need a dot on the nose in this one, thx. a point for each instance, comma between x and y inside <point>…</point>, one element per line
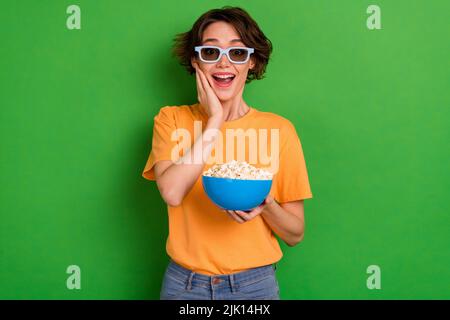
<point>224,60</point>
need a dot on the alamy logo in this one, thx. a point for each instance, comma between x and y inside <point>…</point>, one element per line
<point>374,20</point>
<point>235,146</point>
<point>74,280</point>
<point>374,280</point>
<point>74,20</point>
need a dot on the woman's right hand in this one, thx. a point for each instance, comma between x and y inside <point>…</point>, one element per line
<point>206,95</point>
<point>176,179</point>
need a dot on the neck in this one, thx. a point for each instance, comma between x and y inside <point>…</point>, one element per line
<point>234,108</point>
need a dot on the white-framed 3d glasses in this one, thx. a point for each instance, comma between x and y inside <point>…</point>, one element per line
<point>212,54</point>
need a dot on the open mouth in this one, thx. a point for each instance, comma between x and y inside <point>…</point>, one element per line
<point>223,81</point>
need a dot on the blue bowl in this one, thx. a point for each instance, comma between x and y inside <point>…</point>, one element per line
<point>236,194</point>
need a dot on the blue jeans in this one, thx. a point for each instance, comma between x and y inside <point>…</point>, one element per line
<point>259,283</point>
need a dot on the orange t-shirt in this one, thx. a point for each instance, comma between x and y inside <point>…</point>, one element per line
<point>203,238</point>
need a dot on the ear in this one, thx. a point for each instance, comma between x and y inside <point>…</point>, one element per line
<point>194,62</point>
<point>252,64</point>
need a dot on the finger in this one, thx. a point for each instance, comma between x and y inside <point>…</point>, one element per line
<point>235,216</point>
<point>230,215</point>
<point>197,75</point>
<point>205,82</point>
<point>200,89</point>
<point>243,215</point>
<point>250,215</point>
<point>201,94</point>
<point>269,199</point>
<point>202,78</point>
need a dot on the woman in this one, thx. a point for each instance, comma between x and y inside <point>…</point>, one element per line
<point>216,254</point>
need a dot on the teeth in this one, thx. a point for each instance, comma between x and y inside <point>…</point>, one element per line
<point>223,76</point>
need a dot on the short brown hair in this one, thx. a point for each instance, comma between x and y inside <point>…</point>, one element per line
<point>246,27</point>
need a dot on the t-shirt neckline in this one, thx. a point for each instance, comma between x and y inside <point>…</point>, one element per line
<point>247,115</point>
<point>242,118</point>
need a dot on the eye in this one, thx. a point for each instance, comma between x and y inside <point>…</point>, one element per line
<point>210,52</point>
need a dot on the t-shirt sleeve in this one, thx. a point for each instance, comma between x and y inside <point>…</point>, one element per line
<point>291,182</point>
<point>163,127</point>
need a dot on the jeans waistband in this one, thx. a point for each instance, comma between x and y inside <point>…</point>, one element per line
<point>234,279</point>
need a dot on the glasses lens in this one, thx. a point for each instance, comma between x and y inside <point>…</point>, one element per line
<point>238,55</point>
<point>210,54</point>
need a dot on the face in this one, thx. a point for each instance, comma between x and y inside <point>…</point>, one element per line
<point>224,35</point>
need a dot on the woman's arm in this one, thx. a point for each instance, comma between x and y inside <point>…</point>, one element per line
<point>175,180</point>
<point>285,219</point>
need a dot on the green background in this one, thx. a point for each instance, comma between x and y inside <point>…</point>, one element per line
<point>371,108</point>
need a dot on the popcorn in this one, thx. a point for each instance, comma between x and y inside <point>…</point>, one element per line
<point>238,170</point>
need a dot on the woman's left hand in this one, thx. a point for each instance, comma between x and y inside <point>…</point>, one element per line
<point>243,216</point>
